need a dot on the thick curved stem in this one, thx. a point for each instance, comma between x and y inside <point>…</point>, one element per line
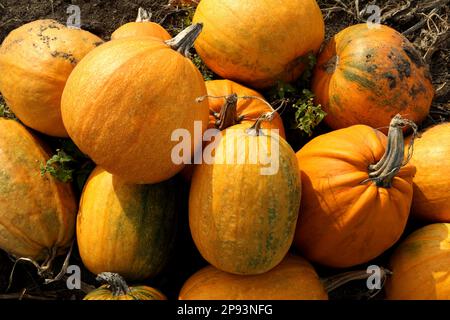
<point>115,281</point>
<point>184,41</point>
<point>143,15</point>
<point>228,113</point>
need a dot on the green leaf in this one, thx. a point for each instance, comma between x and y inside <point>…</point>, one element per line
<point>307,114</point>
<point>59,166</point>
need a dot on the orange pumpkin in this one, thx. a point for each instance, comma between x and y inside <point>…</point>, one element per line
<point>258,42</point>
<point>144,90</point>
<point>142,27</point>
<point>366,75</point>
<point>35,61</point>
<point>293,279</point>
<point>117,289</point>
<point>240,221</point>
<point>37,213</point>
<point>431,157</point>
<point>421,266</point>
<point>132,226</point>
<point>356,195</point>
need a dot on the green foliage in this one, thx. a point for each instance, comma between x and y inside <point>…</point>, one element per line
<point>59,166</point>
<point>307,115</point>
<point>207,74</point>
<point>5,112</point>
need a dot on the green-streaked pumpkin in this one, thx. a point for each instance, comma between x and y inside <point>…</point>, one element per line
<point>126,228</point>
<point>117,289</point>
<point>241,219</point>
<point>37,213</point>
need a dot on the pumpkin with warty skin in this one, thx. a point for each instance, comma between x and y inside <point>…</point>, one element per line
<point>293,279</point>
<point>144,90</point>
<point>117,289</point>
<point>142,27</point>
<point>242,42</point>
<point>37,213</point>
<point>239,220</point>
<point>366,75</point>
<point>431,157</point>
<point>356,195</point>
<point>35,61</point>
<point>132,226</point>
<point>421,265</point>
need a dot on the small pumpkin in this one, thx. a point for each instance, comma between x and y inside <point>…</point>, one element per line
<point>117,289</point>
<point>244,43</point>
<point>142,27</point>
<point>356,194</point>
<point>35,61</point>
<point>421,266</point>
<point>431,157</point>
<point>239,219</point>
<point>366,75</point>
<point>144,90</point>
<point>132,226</point>
<point>293,279</point>
<point>37,213</point>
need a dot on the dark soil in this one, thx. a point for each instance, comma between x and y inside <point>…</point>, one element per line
<point>425,23</point>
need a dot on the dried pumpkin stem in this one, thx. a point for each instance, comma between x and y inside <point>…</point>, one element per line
<point>384,171</point>
<point>143,15</point>
<point>115,281</point>
<point>184,41</point>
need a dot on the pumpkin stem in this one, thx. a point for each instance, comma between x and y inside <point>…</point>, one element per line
<point>384,171</point>
<point>115,282</point>
<point>255,129</point>
<point>336,281</point>
<point>143,15</point>
<point>184,41</point>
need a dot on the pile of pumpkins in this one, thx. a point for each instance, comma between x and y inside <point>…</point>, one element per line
<point>342,200</point>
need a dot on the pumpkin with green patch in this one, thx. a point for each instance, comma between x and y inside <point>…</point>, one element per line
<point>366,75</point>
<point>35,61</point>
<point>37,213</point>
<point>126,228</point>
<point>242,212</point>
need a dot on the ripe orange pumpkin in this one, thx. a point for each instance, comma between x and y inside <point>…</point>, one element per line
<point>431,157</point>
<point>344,219</point>
<point>239,219</point>
<point>35,62</point>
<point>37,213</point>
<point>421,266</point>
<point>143,91</point>
<point>293,279</point>
<point>367,75</point>
<point>258,42</point>
<point>117,289</point>
<point>142,27</point>
<point>132,226</point>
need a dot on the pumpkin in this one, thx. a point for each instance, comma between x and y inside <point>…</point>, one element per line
<point>258,43</point>
<point>293,279</point>
<point>143,92</point>
<point>356,195</point>
<point>366,75</point>
<point>431,196</point>
<point>35,61</point>
<point>421,266</point>
<point>117,289</point>
<point>132,226</point>
<point>142,27</point>
<point>37,213</point>
<point>242,212</point>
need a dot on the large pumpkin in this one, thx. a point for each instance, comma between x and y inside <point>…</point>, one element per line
<point>293,279</point>
<point>258,42</point>
<point>35,62</point>
<point>366,75</point>
<point>142,27</point>
<point>421,266</point>
<point>144,91</point>
<point>37,213</point>
<point>125,228</point>
<point>117,289</point>
<point>242,212</point>
<point>431,156</point>
<point>356,195</point>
